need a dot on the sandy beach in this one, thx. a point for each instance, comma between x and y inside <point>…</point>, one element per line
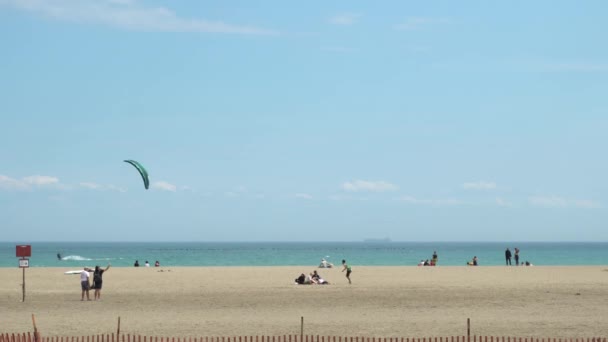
<point>381,302</point>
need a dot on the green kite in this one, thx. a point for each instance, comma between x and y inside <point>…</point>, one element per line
<point>142,172</point>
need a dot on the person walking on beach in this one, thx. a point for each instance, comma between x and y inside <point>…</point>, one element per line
<point>84,283</point>
<point>98,280</point>
<point>508,257</point>
<point>348,270</point>
<point>516,256</point>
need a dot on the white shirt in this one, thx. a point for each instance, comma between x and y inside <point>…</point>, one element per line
<point>84,276</point>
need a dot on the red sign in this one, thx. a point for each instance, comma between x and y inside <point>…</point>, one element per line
<point>24,251</point>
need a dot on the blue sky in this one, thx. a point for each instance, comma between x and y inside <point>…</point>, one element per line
<point>274,121</point>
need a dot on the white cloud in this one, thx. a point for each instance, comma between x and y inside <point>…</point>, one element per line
<point>27,183</point>
<point>41,180</point>
<point>9,183</point>
<point>501,202</point>
<point>433,202</point>
<point>116,188</point>
<point>100,187</point>
<point>480,185</point>
<point>560,202</point>
<point>89,185</point>
<point>372,186</point>
<point>162,185</point>
<point>345,19</point>
<point>303,196</point>
<point>586,204</point>
<point>129,15</point>
<point>415,23</point>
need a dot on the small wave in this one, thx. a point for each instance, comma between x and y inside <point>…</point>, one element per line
<point>75,257</point>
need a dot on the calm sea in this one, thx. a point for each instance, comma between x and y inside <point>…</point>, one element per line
<point>78,254</point>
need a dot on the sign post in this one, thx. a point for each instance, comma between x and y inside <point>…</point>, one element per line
<point>23,252</point>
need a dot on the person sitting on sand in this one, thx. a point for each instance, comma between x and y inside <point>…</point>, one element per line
<point>325,264</point>
<point>303,279</point>
<point>421,263</point>
<point>157,264</point>
<point>472,262</point>
<point>316,278</point>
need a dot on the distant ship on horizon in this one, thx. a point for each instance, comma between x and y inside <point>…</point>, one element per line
<point>386,239</point>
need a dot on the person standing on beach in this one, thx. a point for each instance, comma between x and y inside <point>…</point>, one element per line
<point>508,257</point>
<point>84,283</point>
<point>348,270</point>
<point>516,256</point>
<point>98,280</point>
<point>434,260</point>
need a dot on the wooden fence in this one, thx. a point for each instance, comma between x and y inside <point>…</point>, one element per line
<point>35,337</point>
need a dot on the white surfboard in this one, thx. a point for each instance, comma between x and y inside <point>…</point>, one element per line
<point>75,272</point>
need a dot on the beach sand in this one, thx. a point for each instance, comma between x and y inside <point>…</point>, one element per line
<point>381,302</point>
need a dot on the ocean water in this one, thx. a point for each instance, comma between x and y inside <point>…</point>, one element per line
<point>382,253</point>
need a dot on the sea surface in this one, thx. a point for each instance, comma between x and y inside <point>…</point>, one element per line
<point>381,253</point>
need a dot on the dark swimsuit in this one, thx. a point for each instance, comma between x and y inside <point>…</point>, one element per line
<point>97,280</point>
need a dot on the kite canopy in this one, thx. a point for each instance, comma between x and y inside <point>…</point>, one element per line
<point>142,171</point>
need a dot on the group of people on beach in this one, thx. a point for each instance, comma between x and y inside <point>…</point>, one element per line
<point>432,262</point>
<point>147,264</point>
<point>311,279</point>
<point>516,255</point>
<point>85,282</point>
<point>315,278</point>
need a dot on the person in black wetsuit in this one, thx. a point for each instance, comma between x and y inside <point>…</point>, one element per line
<point>508,257</point>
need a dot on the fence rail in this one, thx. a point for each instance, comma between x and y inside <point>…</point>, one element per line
<point>35,337</point>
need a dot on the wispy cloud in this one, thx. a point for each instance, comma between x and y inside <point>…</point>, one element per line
<point>480,185</point>
<point>303,196</point>
<point>29,182</point>
<point>433,202</point>
<point>100,187</point>
<point>8,183</point>
<point>129,15</point>
<point>90,186</point>
<point>370,186</point>
<point>501,202</point>
<point>116,188</point>
<point>561,202</point>
<point>41,180</point>
<point>345,19</point>
<point>165,186</point>
<point>417,23</point>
